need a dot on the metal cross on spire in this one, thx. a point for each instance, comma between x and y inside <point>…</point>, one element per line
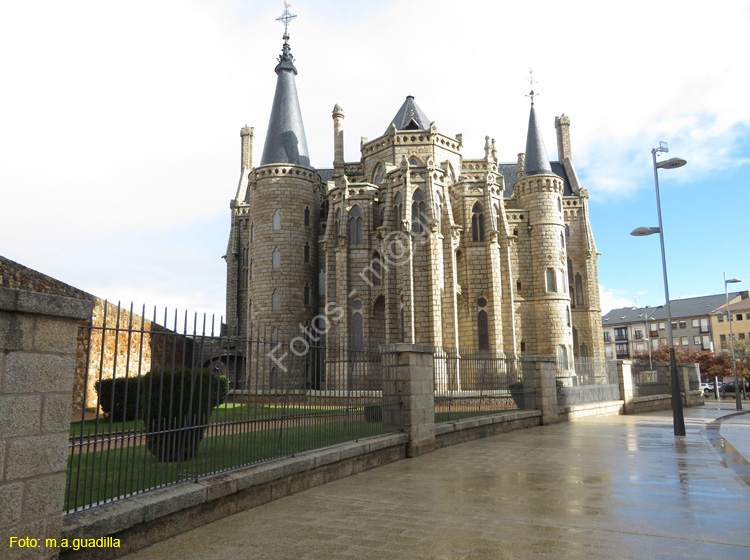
<point>532,81</point>
<point>286,17</point>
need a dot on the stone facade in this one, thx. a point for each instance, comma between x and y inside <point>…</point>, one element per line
<point>413,242</point>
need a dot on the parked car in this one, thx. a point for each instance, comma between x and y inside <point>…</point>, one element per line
<point>728,389</point>
<point>708,389</point>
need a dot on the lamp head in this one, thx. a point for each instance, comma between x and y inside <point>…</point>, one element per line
<point>671,163</point>
<point>643,230</point>
<point>732,281</point>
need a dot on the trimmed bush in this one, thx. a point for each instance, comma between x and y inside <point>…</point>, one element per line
<point>175,406</point>
<point>118,398</point>
<point>373,413</point>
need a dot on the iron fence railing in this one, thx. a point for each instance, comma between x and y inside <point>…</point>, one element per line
<point>477,383</point>
<point>648,382</point>
<point>589,380</point>
<point>183,406</point>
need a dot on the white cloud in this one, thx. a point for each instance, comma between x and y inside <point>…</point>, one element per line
<point>613,299</point>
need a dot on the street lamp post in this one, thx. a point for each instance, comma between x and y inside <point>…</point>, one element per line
<point>648,338</point>
<point>672,163</point>
<point>731,340</point>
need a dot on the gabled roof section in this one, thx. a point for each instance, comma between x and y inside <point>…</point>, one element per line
<point>536,162</point>
<point>285,139</point>
<point>410,117</point>
<point>688,307</point>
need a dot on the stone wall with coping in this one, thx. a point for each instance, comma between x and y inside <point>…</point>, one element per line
<point>37,362</point>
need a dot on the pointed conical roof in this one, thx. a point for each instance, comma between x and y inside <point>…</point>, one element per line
<point>410,117</point>
<point>285,139</point>
<point>536,162</point>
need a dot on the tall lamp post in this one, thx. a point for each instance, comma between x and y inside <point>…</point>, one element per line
<point>648,338</point>
<point>672,163</point>
<point>731,340</point>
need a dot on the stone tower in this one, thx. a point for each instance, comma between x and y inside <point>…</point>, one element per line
<point>540,192</point>
<point>272,256</point>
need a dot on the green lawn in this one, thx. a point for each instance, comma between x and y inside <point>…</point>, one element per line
<point>102,475</point>
<point>227,412</point>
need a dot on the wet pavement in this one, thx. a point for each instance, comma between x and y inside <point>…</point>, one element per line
<point>609,487</point>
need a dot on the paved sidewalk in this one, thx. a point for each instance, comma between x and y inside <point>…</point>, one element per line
<point>616,487</point>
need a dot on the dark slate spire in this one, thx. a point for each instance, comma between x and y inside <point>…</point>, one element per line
<point>536,162</point>
<point>285,139</point>
<point>410,117</point>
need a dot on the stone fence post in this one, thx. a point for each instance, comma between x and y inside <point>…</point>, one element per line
<point>685,372</point>
<point>37,363</point>
<point>539,373</point>
<point>409,394</point>
<point>625,383</point>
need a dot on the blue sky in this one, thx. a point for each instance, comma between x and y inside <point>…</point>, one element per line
<point>119,142</point>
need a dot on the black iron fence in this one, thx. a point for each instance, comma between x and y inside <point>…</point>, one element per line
<point>648,382</point>
<point>590,380</point>
<point>158,407</point>
<point>477,383</point>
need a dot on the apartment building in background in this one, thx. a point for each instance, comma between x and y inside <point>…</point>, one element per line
<point>629,330</point>
<point>739,308</point>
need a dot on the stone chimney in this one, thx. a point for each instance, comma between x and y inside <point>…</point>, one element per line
<point>246,133</point>
<point>562,125</point>
<point>338,135</point>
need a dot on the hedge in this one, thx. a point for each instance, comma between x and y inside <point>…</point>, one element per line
<point>174,400</point>
<point>118,398</point>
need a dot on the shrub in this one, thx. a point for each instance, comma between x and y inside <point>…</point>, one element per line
<point>373,413</point>
<point>175,406</point>
<point>118,398</point>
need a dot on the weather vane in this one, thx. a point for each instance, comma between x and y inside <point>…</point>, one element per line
<point>532,81</point>
<point>286,17</point>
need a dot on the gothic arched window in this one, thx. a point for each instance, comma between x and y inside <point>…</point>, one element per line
<point>355,226</point>
<point>483,330</point>
<point>551,279</point>
<point>357,325</point>
<point>322,282</point>
<point>275,301</point>
<point>579,289</point>
<point>418,216</point>
<point>306,295</point>
<point>276,220</point>
<point>276,258</point>
<point>477,222</point>
<point>378,174</point>
<point>307,215</point>
<point>398,207</point>
<point>307,252</point>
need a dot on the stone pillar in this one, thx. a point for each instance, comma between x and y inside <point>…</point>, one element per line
<point>625,383</point>
<point>409,394</point>
<point>539,373</point>
<point>37,364</point>
<point>338,136</point>
<point>685,372</point>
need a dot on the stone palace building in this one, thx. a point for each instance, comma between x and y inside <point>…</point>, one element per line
<point>413,241</point>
